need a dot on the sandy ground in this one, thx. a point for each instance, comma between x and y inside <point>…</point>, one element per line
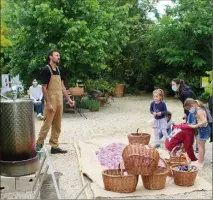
<point>122,117</point>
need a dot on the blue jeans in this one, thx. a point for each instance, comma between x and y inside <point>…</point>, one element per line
<point>39,108</point>
<point>204,133</point>
<point>169,130</point>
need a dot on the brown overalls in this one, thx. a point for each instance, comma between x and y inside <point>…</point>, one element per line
<point>52,118</point>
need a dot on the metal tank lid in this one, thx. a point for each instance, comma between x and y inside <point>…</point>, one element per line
<point>22,100</point>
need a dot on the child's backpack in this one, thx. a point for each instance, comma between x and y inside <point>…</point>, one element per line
<point>209,116</point>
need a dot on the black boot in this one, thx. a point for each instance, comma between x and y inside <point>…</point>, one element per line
<point>57,150</point>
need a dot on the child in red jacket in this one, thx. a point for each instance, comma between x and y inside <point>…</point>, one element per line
<point>185,136</point>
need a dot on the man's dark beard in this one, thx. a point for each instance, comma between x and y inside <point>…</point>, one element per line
<point>57,62</point>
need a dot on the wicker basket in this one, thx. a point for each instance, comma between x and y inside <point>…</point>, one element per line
<point>184,178</point>
<point>140,159</point>
<point>175,160</point>
<point>76,91</point>
<point>157,180</point>
<point>141,138</point>
<point>169,166</point>
<point>115,181</point>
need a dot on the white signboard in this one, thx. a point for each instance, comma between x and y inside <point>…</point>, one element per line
<point>15,82</point>
<point>5,80</point>
<point>5,83</point>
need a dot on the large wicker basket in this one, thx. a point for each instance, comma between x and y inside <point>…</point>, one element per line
<point>141,138</point>
<point>175,160</point>
<point>157,180</point>
<point>140,159</point>
<point>184,178</point>
<point>115,181</point>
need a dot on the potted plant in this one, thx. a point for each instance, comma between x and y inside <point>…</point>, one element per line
<point>102,100</point>
<point>99,89</point>
<point>119,89</point>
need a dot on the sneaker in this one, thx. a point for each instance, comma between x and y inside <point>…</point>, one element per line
<point>57,150</point>
<point>40,116</point>
<point>156,146</point>
<point>38,149</point>
<point>196,150</point>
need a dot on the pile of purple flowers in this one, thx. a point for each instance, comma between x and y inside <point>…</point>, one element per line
<point>111,156</point>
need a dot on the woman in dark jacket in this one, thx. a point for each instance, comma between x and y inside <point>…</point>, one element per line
<point>183,91</point>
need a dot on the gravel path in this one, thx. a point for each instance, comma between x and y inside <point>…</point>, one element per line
<point>122,117</point>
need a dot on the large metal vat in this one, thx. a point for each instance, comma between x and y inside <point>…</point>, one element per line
<point>19,168</point>
<point>17,137</point>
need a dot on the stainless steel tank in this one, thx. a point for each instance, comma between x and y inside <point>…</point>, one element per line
<point>19,168</point>
<point>17,137</point>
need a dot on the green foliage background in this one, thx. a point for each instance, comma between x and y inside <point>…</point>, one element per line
<point>111,40</point>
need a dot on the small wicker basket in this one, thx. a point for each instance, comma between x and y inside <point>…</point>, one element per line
<point>141,138</point>
<point>175,160</point>
<point>140,159</point>
<point>115,181</point>
<point>76,91</point>
<point>184,178</point>
<point>157,180</point>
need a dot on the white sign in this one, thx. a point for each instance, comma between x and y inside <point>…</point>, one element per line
<point>15,81</point>
<point>5,80</point>
<point>5,83</point>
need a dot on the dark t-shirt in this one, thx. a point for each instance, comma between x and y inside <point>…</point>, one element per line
<point>186,93</point>
<point>158,107</point>
<point>46,75</point>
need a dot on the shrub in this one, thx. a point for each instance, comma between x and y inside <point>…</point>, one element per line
<point>132,90</point>
<point>204,96</point>
<point>91,104</point>
<point>99,84</point>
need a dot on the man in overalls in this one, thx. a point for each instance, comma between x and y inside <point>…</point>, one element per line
<point>53,90</point>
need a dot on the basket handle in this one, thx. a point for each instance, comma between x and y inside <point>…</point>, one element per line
<point>137,132</point>
<point>120,169</point>
<point>171,170</point>
<point>187,159</point>
<point>171,153</point>
<point>166,165</point>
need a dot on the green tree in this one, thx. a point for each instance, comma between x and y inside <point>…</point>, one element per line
<point>135,63</point>
<point>182,39</point>
<point>5,42</point>
<point>178,44</point>
<point>88,33</point>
